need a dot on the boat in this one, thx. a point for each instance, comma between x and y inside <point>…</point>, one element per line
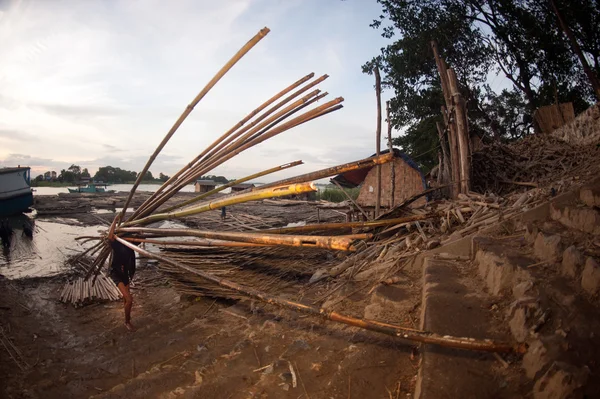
<point>91,188</point>
<point>15,190</point>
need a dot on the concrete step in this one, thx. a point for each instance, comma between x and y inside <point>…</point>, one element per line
<point>550,312</point>
<point>454,303</point>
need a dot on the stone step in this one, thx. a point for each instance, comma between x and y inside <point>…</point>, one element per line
<point>578,217</point>
<point>454,304</point>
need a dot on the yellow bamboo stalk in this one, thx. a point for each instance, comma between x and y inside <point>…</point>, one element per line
<point>349,225</point>
<point>217,159</point>
<point>233,183</point>
<point>220,203</point>
<point>272,132</point>
<point>340,243</point>
<point>223,137</point>
<point>251,43</point>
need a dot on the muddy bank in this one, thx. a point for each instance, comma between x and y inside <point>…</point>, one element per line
<point>188,347</point>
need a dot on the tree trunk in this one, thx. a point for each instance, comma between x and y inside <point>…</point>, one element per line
<point>378,139</point>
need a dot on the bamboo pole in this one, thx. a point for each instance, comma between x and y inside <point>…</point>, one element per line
<point>378,140</point>
<point>233,183</point>
<point>462,133</point>
<point>251,43</point>
<point>391,149</point>
<point>350,225</point>
<point>350,198</point>
<point>340,243</point>
<point>226,141</point>
<point>334,170</point>
<point>225,135</point>
<point>280,191</point>
<point>196,242</point>
<point>231,152</point>
<point>452,139</point>
<point>384,328</point>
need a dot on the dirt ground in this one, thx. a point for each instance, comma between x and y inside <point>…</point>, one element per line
<point>189,348</point>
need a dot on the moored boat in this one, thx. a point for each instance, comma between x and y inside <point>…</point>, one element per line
<point>15,190</point>
<point>91,188</point>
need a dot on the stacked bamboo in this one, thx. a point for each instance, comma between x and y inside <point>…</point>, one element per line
<point>80,291</point>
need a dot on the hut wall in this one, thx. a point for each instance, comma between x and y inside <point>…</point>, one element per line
<point>408,182</point>
<point>204,188</point>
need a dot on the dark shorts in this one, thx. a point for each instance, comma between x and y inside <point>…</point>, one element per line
<point>118,277</point>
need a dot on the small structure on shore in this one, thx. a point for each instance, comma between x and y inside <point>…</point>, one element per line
<point>241,187</point>
<point>408,181</point>
<point>204,186</point>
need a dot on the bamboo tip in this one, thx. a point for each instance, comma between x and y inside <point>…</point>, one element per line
<point>264,31</point>
<point>312,186</point>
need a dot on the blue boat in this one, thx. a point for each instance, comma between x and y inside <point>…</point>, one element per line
<point>91,188</point>
<point>15,190</point>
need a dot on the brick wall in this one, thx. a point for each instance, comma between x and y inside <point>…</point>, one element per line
<point>584,130</point>
<point>408,183</point>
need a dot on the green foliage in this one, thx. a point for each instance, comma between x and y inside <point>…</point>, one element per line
<point>334,194</point>
<point>163,177</point>
<point>520,40</point>
<point>109,174</point>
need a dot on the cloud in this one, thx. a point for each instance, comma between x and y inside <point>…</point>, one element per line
<point>100,83</point>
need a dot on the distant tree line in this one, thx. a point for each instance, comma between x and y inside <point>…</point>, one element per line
<point>510,56</point>
<point>217,179</point>
<point>106,174</point>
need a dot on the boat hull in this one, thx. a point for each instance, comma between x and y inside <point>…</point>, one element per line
<point>15,205</point>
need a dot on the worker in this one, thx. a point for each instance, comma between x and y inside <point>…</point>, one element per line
<point>223,213</point>
<point>121,272</point>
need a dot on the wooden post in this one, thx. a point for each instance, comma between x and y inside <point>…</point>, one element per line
<point>577,50</point>
<point>378,139</point>
<point>392,166</point>
<point>462,133</point>
<point>452,139</point>
<point>445,165</point>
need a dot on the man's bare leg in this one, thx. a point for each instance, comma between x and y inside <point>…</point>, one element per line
<point>128,303</point>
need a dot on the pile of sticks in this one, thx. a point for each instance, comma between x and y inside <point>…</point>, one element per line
<point>534,160</point>
<point>80,290</point>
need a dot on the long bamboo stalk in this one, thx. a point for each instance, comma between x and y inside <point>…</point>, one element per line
<point>334,170</point>
<point>340,243</point>
<point>217,159</point>
<point>269,134</point>
<point>378,140</point>
<point>384,328</point>
<point>251,43</point>
<point>224,136</point>
<point>280,191</point>
<point>227,139</point>
<point>234,183</point>
<point>349,225</point>
<point>196,242</point>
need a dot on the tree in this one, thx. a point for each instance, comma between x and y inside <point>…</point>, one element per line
<point>85,173</point>
<point>216,179</point>
<point>66,176</point>
<point>109,174</point>
<point>148,176</point>
<point>39,178</point>
<point>163,177</point>
<point>517,39</point>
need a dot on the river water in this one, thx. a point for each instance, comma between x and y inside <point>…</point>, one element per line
<point>117,187</point>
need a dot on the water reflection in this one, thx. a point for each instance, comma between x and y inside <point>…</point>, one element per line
<point>45,252</point>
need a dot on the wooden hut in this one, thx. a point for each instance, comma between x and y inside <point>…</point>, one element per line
<point>408,181</point>
<point>204,186</point>
<point>241,187</point>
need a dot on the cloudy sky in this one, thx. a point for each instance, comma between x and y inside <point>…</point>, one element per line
<point>100,82</point>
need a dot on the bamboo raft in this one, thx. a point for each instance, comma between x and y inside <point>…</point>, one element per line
<point>248,263</point>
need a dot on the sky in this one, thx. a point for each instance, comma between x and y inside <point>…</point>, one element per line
<point>99,83</point>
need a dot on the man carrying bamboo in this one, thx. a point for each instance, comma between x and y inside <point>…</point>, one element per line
<point>121,272</point>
